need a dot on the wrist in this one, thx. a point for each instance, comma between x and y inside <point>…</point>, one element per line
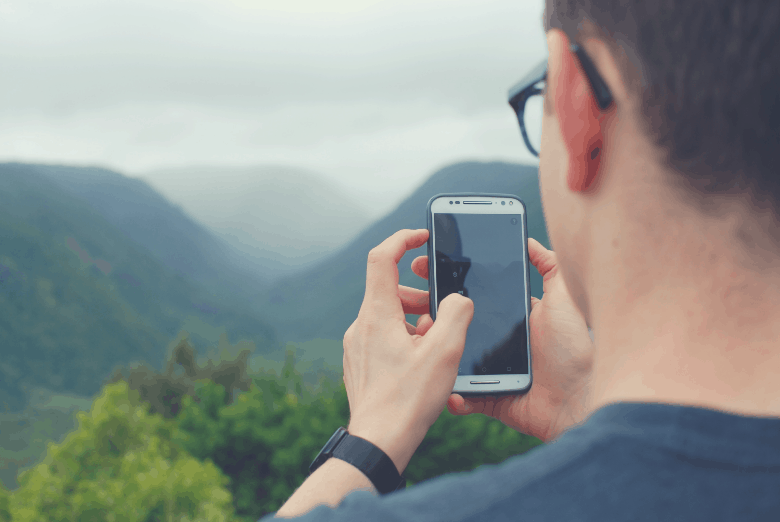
<point>399,444</point>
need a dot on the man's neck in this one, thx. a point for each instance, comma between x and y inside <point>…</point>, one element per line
<point>686,349</point>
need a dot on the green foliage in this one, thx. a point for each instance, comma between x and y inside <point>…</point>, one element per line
<point>5,513</point>
<point>315,360</point>
<point>164,390</point>
<point>121,464</point>
<point>24,436</point>
<point>312,357</point>
<point>266,439</point>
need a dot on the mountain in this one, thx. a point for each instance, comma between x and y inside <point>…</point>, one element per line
<point>283,219</point>
<point>151,221</point>
<point>323,301</point>
<point>79,296</point>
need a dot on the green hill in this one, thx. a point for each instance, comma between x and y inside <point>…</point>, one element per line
<point>78,296</point>
<point>161,227</point>
<point>323,301</point>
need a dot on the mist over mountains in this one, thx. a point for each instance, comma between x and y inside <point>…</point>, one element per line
<point>283,219</point>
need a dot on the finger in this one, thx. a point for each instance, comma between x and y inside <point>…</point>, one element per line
<point>413,301</point>
<point>411,329</point>
<point>544,260</point>
<point>459,405</point>
<point>456,405</point>
<point>487,405</point>
<point>424,323</point>
<point>420,266</point>
<point>534,302</point>
<point>452,321</point>
<point>382,269</point>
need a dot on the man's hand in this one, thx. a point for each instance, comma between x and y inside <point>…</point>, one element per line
<point>561,356</point>
<point>398,381</point>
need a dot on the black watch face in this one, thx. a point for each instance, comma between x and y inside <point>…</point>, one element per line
<point>327,451</point>
<point>334,441</point>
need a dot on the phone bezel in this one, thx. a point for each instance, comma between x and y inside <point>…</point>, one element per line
<point>509,384</point>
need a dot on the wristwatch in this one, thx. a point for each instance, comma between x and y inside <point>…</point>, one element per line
<point>372,461</point>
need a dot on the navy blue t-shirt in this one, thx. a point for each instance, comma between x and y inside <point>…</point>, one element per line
<point>628,461</point>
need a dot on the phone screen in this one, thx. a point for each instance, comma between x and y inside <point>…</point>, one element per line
<point>482,257</point>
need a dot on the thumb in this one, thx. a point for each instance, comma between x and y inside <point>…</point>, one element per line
<point>452,321</point>
<point>544,260</point>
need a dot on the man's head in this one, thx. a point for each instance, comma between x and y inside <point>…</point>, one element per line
<point>682,172</point>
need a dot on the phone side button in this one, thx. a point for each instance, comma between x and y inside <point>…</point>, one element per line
<point>484,382</point>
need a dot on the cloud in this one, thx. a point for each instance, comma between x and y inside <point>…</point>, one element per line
<point>344,87</point>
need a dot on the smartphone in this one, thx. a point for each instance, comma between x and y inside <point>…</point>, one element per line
<point>478,247</point>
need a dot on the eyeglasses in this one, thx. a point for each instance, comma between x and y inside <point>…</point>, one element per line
<point>527,97</point>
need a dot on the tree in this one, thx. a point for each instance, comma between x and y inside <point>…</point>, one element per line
<point>267,438</point>
<point>121,464</point>
<point>164,390</point>
<point>5,513</point>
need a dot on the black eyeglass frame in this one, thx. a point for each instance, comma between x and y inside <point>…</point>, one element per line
<point>525,88</point>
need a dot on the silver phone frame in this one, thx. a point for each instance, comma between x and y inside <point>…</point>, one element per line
<point>508,384</point>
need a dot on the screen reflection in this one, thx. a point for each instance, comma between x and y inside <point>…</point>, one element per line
<point>481,257</point>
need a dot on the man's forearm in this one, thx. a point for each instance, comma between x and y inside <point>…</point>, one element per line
<point>332,481</point>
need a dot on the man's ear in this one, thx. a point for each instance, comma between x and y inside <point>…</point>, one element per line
<point>577,113</point>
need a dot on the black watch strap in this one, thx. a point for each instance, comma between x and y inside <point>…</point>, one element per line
<point>365,456</point>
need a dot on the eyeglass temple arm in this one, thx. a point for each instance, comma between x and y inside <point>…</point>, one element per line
<point>597,84</point>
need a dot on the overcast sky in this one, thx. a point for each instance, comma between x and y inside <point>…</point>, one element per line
<point>374,93</point>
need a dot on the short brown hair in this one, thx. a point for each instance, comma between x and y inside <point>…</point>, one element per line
<point>710,72</point>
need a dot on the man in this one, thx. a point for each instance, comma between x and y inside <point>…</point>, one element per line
<point>661,197</point>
